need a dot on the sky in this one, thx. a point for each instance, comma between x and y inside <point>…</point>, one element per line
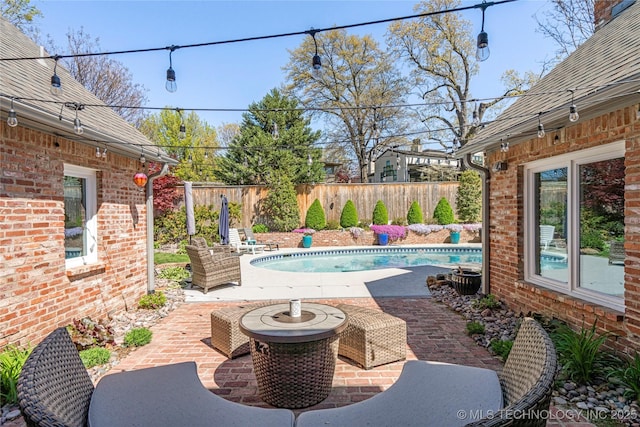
<point>232,76</point>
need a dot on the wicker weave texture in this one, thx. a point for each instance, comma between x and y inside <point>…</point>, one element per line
<point>210,271</point>
<point>54,388</point>
<point>225,329</point>
<point>616,252</point>
<point>527,379</point>
<point>294,375</point>
<point>372,337</point>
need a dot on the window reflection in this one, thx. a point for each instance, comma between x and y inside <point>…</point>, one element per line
<point>74,217</point>
<point>552,259</point>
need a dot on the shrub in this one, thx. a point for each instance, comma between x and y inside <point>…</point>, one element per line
<point>414,216</point>
<point>469,196</point>
<point>501,348</point>
<point>443,213</point>
<point>380,214</point>
<point>260,228</point>
<point>177,274</point>
<point>137,337</point>
<point>281,203</point>
<point>474,328</point>
<point>12,359</point>
<point>152,301</point>
<point>87,333</point>
<point>315,217</point>
<point>349,215</point>
<point>487,301</point>
<point>629,375</point>
<point>94,356</point>
<point>333,224</point>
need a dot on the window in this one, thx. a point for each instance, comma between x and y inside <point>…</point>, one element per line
<point>80,229</point>
<point>574,213</point>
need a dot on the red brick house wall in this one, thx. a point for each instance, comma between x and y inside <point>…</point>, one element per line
<point>507,219</point>
<point>37,292</point>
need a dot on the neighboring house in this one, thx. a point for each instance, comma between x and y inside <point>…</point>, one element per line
<point>75,231</point>
<point>557,202</point>
<point>395,165</point>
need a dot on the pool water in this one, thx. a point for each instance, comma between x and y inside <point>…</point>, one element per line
<point>345,260</point>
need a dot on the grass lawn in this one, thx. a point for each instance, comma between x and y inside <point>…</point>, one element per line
<point>167,258</point>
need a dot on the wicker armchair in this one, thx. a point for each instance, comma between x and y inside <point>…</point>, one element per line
<point>526,379</point>
<point>209,271</point>
<point>54,388</point>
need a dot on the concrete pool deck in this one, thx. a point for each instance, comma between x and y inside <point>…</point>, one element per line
<point>260,283</point>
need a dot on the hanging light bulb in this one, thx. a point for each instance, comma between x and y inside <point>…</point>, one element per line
<point>573,110</point>
<point>275,132</point>
<point>482,51</point>
<point>12,119</point>
<point>171,85</point>
<point>143,159</point>
<point>316,62</point>
<point>540,127</point>
<point>182,134</point>
<point>98,152</point>
<point>309,160</point>
<point>77,124</point>
<point>104,153</point>
<point>56,85</point>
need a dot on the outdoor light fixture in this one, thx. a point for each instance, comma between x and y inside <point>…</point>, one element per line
<point>104,153</point>
<point>540,127</point>
<point>316,62</point>
<point>143,159</point>
<point>482,52</point>
<point>77,124</point>
<point>504,145</point>
<point>309,160</point>
<point>56,86</point>
<point>275,132</point>
<point>98,152</point>
<point>171,85</point>
<point>573,110</point>
<point>182,132</point>
<point>12,120</point>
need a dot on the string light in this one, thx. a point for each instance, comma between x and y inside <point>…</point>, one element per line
<point>482,52</point>
<point>98,152</point>
<point>104,153</point>
<point>504,145</point>
<point>540,127</point>
<point>56,85</point>
<point>12,119</point>
<point>182,132</point>
<point>316,62</point>
<point>143,159</point>
<point>274,133</point>
<point>171,85</point>
<point>573,110</point>
<point>77,124</point>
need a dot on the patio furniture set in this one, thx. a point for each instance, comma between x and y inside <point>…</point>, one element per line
<point>54,388</point>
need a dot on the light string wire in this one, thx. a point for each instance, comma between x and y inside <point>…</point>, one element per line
<point>56,57</point>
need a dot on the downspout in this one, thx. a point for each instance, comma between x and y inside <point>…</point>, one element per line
<point>484,233</point>
<point>151,280</point>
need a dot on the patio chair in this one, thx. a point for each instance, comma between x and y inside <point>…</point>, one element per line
<point>616,252</point>
<point>269,243</point>
<point>211,270</point>
<point>240,246</point>
<point>546,235</point>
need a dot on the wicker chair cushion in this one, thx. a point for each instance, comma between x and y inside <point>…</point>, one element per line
<point>54,388</point>
<point>210,270</point>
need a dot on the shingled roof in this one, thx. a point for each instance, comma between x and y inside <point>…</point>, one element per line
<point>604,73</point>
<point>28,82</point>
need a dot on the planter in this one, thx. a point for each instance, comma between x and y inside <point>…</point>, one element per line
<point>466,282</point>
<point>454,236</point>
<point>306,241</point>
<point>383,239</point>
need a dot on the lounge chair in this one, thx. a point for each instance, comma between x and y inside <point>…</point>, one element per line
<point>54,389</point>
<point>616,252</point>
<point>546,235</point>
<point>211,270</point>
<point>251,238</point>
<point>240,246</point>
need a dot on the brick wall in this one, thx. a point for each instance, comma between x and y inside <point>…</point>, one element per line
<point>37,292</point>
<point>507,222</point>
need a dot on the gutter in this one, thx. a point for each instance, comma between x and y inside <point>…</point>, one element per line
<point>484,233</point>
<point>151,277</point>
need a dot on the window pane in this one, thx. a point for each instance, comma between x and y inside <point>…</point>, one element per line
<point>75,215</point>
<point>551,244</point>
<point>601,226</point>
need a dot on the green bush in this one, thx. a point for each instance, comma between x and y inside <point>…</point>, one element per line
<point>137,337</point>
<point>501,348</point>
<point>474,328</point>
<point>333,224</point>
<point>315,217</point>
<point>260,228</point>
<point>469,196</point>
<point>177,274</point>
<point>380,214</point>
<point>443,213</point>
<point>94,356</point>
<point>12,359</point>
<point>629,375</point>
<point>487,301</point>
<point>349,215</point>
<point>414,216</point>
<point>281,203</point>
<point>152,301</point>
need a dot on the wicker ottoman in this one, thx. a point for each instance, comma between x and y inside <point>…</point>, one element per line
<point>225,332</point>
<point>372,337</point>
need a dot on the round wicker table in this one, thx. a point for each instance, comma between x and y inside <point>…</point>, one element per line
<point>294,358</point>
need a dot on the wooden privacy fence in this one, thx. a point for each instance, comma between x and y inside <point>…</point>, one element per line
<point>397,198</point>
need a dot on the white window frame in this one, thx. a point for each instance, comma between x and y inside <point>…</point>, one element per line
<point>91,224</point>
<point>572,161</point>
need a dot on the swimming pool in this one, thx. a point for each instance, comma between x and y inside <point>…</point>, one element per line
<point>344,260</point>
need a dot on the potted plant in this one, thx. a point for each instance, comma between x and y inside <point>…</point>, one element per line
<point>307,240</point>
<point>454,232</point>
<point>466,282</point>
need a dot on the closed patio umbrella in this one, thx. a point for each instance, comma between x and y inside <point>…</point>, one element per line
<point>223,223</point>
<point>188,204</point>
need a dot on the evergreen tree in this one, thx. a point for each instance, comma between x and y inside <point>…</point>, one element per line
<point>349,215</point>
<point>281,204</point>
<point>315,217</point>
<point>380,214</point>
<point>414,216</point>
<point>443,212</point>
<point>469,196</point>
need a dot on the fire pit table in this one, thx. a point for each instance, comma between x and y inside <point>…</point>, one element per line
<point>294,357</point>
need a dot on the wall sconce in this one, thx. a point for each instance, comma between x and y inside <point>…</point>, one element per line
<point>499,166</point>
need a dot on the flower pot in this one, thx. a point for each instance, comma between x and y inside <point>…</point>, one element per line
<point>466,282</point>
<point>383,239</point>
<point>455,237</point>
<point>306,241</point>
